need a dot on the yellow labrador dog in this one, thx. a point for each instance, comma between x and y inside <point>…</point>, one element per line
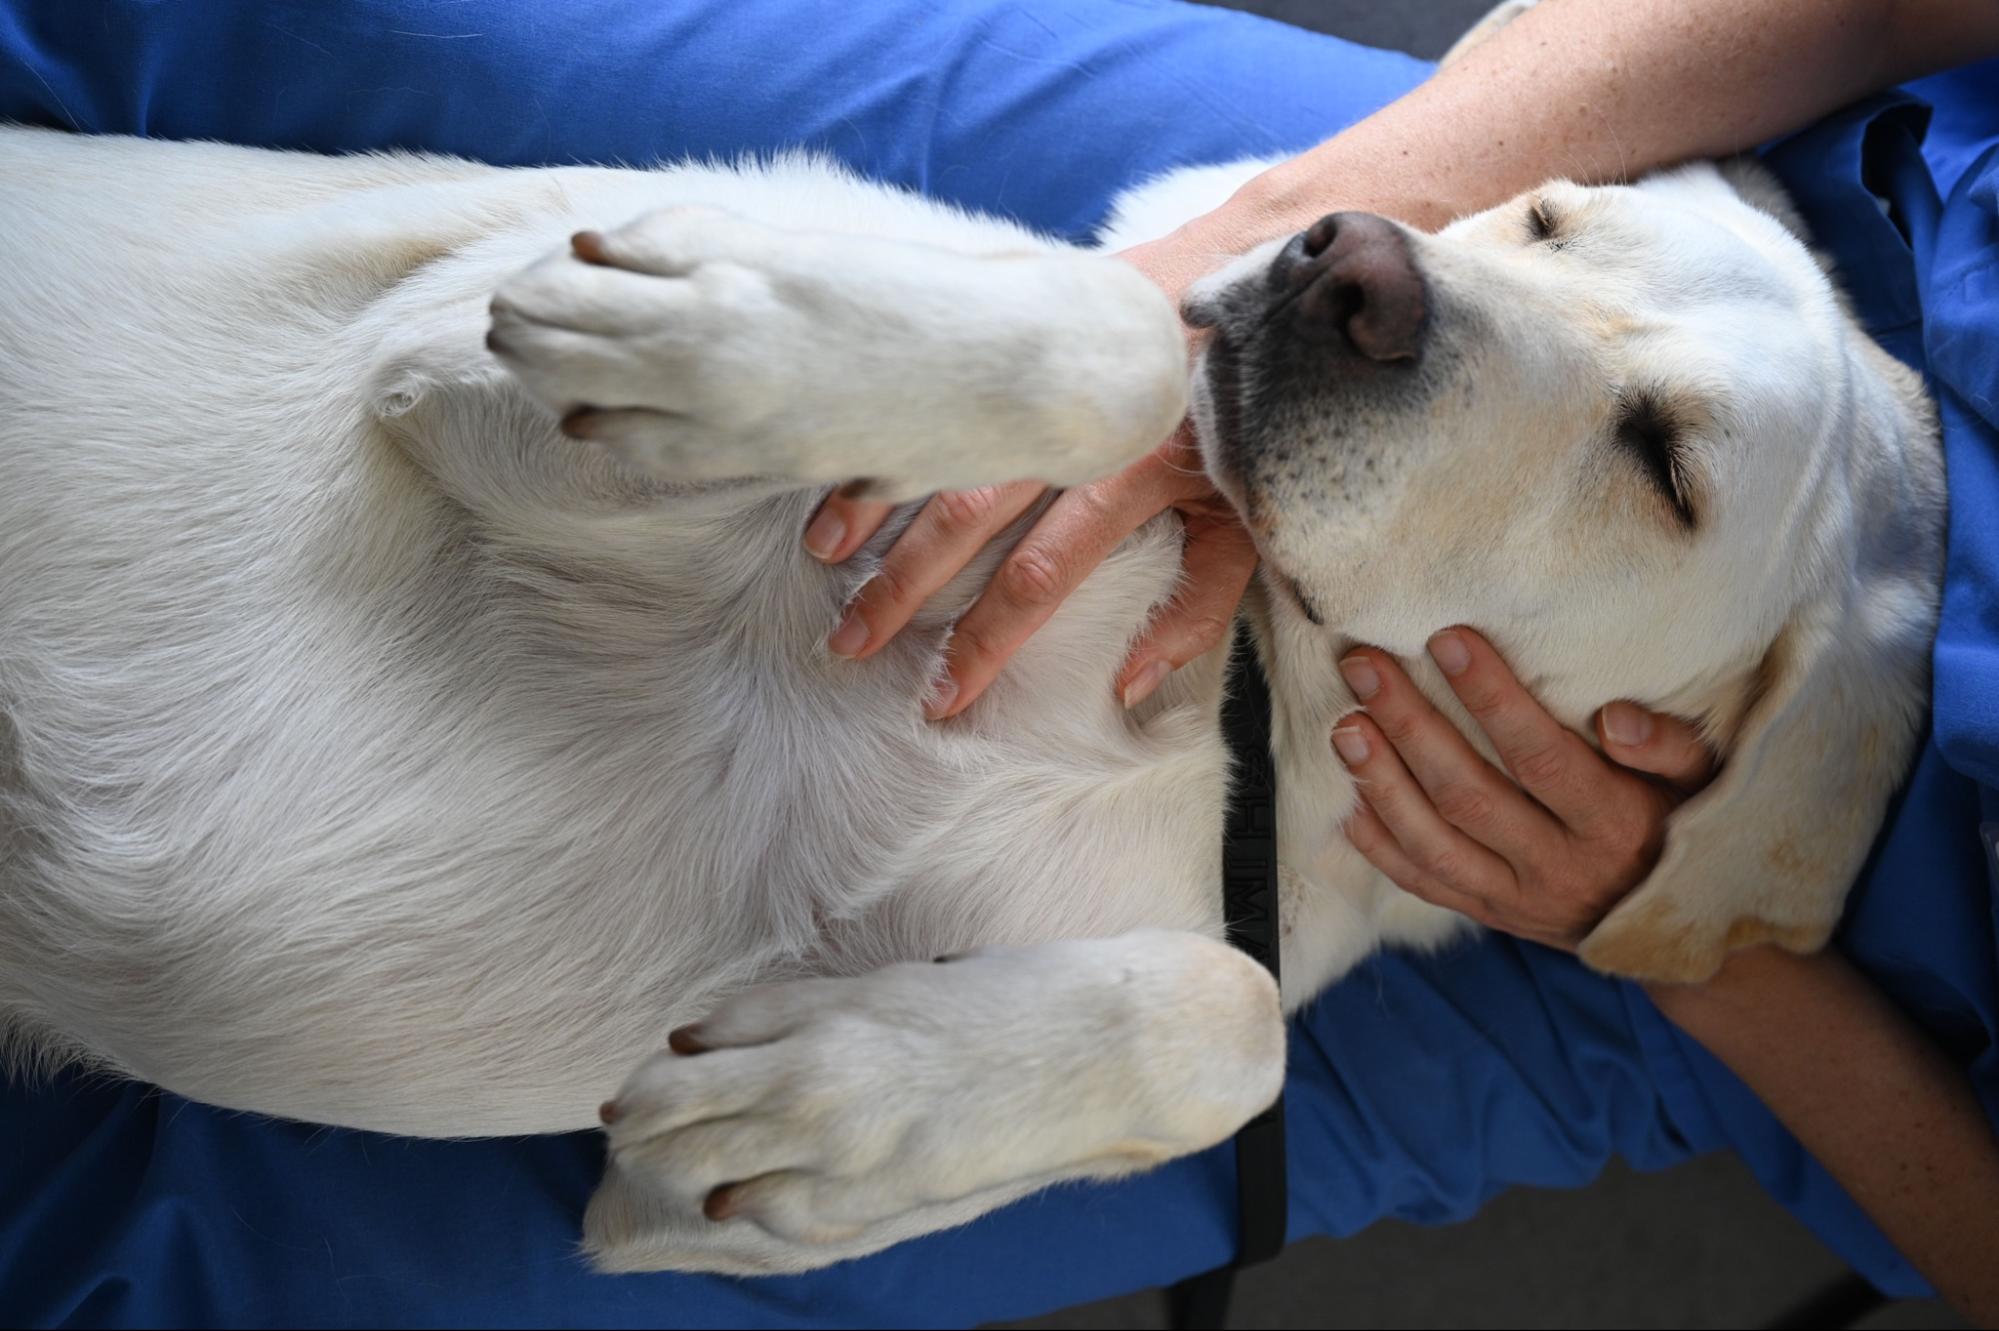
<point>375,752</point>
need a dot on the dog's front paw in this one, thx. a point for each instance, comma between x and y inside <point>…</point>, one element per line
<point>812,1110</point>
<point>666,341</point>
<point>841,1114</point>
<point>702,346</point>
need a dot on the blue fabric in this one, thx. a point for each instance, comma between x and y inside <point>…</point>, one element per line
<point>1418,1088</point>
<point>1037,108</point>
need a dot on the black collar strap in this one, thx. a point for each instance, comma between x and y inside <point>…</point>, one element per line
<point>1249,908</point>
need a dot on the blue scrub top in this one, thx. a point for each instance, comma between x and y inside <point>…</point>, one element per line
<point>1418,1086</point>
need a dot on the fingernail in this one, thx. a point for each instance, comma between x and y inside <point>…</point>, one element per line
<point>1351,744</point>
<point>1448,650</point>
<point>607,1113</point>
<point>825,533</point>
<point>1361,677</point>
<point>1626,725</point>
<point>942,694</point>
<point>849,638</point>
<point>1145,683</point>
<point>686,1041</point>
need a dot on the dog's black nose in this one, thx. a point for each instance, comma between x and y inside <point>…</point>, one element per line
<point>1356,284</point>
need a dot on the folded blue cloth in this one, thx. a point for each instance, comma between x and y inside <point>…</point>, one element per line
<point>1419,1087</point>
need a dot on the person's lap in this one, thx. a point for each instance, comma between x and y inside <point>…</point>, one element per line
<point>1419,1086</point>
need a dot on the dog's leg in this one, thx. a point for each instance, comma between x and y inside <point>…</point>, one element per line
<point>702,346</point>
<point>808,1122</point>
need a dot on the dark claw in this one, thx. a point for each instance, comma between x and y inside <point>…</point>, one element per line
<point>720,1204</point>
<point>686,1041</point>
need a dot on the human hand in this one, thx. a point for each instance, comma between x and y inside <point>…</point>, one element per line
<point>1544,859</point>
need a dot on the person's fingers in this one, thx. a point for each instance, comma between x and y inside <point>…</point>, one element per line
<point>1217,563</point>
<point>1435,848</point>
<point>1553,763</point>
<point>842,525</point>
<point>1377,845</point>
<point>941,539</point>
<point>1662,746</point>
<point>1076,534</point>
<point>1462,786</point>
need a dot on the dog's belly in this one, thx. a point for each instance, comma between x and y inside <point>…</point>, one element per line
<point>323,801</point>
<point>384,861</point>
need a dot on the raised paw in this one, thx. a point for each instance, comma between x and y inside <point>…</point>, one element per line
<point>701,346</point>
<point>663,340</point>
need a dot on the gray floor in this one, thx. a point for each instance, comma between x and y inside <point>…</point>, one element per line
<point>1420,27</point>
<point>1696,1246</point>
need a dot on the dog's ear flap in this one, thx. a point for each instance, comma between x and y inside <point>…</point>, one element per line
<point>1767,852</point>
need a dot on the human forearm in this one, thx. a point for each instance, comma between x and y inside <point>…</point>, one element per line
<point>1602,90</point>
<point>1867,1093</point>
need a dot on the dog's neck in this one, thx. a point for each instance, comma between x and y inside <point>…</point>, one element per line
<point>1315,792</point>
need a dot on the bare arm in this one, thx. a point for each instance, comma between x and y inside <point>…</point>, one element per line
<point>1871,1098</point>
<point>1603,90</point>
<point>1593,89</point>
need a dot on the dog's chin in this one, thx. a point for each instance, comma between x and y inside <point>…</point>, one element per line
<point>1226,479</point>
<point>1217,450</point>
<point>1214,409</point>
<point>1258,518</point>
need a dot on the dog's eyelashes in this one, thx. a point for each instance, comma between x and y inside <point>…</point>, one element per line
<point>1647,430</point>
<point>1541,220</point>
<point>1544,225</point>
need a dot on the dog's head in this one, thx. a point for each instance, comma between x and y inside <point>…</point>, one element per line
<point>1633,434</point>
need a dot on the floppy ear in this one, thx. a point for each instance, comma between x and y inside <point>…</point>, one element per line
<point>1830,718</point>
<point>1767,852</point>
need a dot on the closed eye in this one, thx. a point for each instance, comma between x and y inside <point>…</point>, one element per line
<point>1647,431</point>
<point>1544,226</point>
<point>1541,220</point>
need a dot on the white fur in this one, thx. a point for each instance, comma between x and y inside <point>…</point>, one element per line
<point>373,754</point>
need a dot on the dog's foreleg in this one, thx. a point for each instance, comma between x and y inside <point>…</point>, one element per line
<point>808,1122</point>
<point>701,346</point>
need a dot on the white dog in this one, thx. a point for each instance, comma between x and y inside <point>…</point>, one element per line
<point>372,753</point>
